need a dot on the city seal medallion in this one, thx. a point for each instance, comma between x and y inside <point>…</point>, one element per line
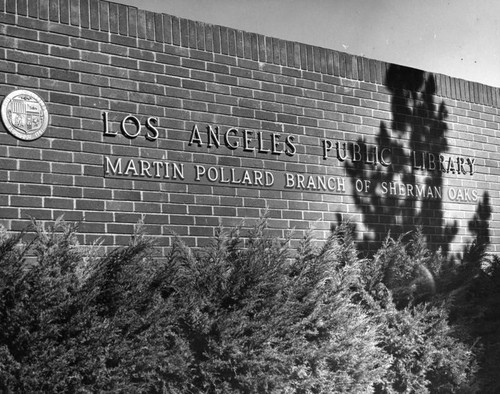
<point>24,115</point>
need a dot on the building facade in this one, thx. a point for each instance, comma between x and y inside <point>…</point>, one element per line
<point>113,115</point>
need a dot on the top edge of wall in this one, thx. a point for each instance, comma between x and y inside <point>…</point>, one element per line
<point>107,17</point>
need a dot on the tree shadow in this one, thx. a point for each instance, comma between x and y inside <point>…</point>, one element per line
<point>418,125</point>
<point>479,224</point>
<point>471,277</point>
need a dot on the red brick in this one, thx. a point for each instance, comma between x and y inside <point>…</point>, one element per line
<point>127,195</point>
<point>98,216</point>
<point>39,214</point>
<point>90,205</point>
<point>9,213</point>
<point>112,228</point>
<point>182,220</point>
<point>64,191</point>
<point>58,203</point>
<point>27,201</point>
<point>301,93</point>
<point>95,193</point>
<point>182,230</point>
<point>86,227</point>
<point>119,206</point>
<point>147,207</point>
<point>69,216</point>
<point>92,171</point>
<point>174,208</point>
<point>63,121</point>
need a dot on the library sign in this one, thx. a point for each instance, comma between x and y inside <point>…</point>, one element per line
<point>26,117</point>
<point>203,138</point>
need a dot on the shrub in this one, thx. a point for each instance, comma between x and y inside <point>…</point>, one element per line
<point>245,315</point>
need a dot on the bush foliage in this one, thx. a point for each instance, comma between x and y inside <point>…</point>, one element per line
<point>245,315</point>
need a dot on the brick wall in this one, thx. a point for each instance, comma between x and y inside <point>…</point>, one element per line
<point>231,123</point>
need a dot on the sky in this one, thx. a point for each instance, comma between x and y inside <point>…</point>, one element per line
<point>460,38</point>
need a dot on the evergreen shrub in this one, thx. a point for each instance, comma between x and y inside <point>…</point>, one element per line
<point>246,315</point>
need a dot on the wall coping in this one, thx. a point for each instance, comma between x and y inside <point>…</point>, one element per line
<point>127,21</point>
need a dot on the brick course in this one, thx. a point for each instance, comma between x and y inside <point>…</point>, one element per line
<point>87,57</point>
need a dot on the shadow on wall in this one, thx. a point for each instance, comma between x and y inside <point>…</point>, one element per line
<point>470,279</point>
<point>418,125</point>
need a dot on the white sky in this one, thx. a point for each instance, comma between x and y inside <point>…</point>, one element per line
<point>460,38</point>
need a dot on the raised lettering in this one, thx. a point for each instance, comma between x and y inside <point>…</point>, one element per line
<point>113,170</point>
<point>356,152</point>
<point>195,137</point>
<point>327,147</point>
<point>274,144</point>
<point>383,157</point>
<point>290,146</point>
<point>153,131</point>
<point>247,139</point>
<point>261,143</point>
<point>226,139</point>
<point>107,130</point>
<point>137,124</point>
<point>213,137</point>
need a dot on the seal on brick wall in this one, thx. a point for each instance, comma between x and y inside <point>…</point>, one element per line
<point>24,115</point>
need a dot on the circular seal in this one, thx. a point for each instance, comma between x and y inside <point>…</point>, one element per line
<point>25,115</point>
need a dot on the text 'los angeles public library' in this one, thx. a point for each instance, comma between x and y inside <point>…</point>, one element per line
<point>112,115</point>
